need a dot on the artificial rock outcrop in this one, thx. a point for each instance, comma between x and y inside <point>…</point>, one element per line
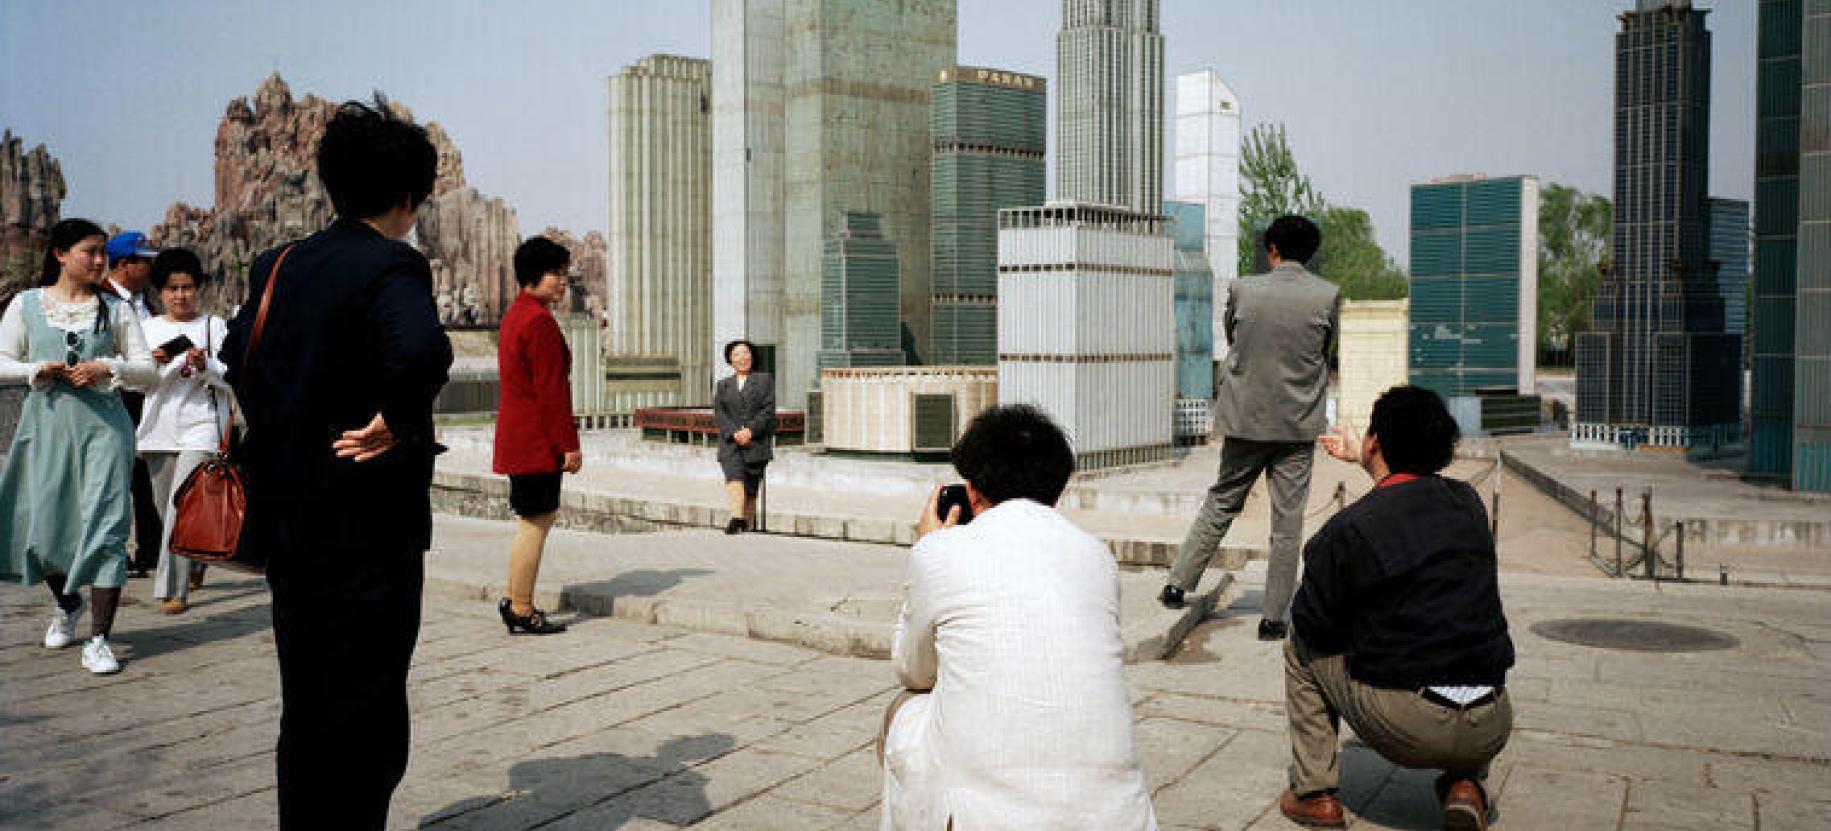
<point>31,199</point>
<point>267,192</point>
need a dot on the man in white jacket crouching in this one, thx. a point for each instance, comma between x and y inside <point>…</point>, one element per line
<point>1016,714</point>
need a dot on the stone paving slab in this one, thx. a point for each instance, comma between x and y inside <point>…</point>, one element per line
<point>620,725</point>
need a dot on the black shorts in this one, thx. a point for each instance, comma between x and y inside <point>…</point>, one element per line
<point>533,494</point>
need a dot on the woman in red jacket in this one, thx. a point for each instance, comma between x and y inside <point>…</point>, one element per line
<point>536,440</point>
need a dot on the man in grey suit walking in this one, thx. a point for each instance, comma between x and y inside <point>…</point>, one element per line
<point>1269,407</point>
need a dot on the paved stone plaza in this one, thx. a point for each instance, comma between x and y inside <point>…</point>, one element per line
<point>620,725</point>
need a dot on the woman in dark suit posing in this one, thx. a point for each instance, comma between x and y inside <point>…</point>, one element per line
<point>744,404</point>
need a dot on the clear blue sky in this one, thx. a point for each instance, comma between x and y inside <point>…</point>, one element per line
<point>1377,94</point>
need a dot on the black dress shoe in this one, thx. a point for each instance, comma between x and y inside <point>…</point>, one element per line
<point>533,623</point>
<point>1171,598</point>
<point>1271,630</point>
<point>735,526</point>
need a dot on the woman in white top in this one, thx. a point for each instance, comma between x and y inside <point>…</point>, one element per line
<point>64,504</point>
<point>187,409</point>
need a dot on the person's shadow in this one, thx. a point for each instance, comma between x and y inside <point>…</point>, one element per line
<point>598,598</point>
<point>200,625</point>
<point>594,790</point>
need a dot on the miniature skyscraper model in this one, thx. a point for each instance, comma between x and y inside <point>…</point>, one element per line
<point>747,165</point>
<point>1208,173</point>
<point>990,128</point>
<point>1086,322</point>
<point>660,235</point>
<point>1474,285</point>
<point>1657,367</point>
<point>1790,410</point>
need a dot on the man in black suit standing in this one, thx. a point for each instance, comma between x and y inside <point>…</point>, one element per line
<point>337,376</point>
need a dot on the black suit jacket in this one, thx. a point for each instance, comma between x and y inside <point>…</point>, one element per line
<point>754,406</point>
<point>353,331</point>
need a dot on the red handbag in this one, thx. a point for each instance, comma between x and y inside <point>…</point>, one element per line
<point>211,504</point>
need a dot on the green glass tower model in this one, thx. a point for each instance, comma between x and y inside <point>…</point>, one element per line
<point>859,322</point>
<point>1474,285</point>
<point>1790,319</point>
<point>990,131</point>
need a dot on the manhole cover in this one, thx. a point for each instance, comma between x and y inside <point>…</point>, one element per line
<point>1634,635</point>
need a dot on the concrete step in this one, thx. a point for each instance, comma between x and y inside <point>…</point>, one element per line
<point>836,597</point>
<point>486,497</point>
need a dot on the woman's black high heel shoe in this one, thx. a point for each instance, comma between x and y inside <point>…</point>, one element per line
<point>736,526</point>
<point>533,623</point>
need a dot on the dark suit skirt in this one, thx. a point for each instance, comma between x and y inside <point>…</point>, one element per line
<point>738,470</point>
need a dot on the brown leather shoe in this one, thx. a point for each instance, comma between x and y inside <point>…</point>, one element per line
<point>1464,807</point>
<point>1320,811</point>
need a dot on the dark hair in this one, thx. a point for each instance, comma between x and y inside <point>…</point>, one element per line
<point>1015,452</point>
<point>370,159</point>
<point>63,237</point>
<point>536,256</point>
<point>737,343</point>
<point>177,261</point>
<point>1297,238</point>
<point>1416,433</point>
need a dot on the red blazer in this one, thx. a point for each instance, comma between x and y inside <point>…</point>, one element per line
<point>534,426</point>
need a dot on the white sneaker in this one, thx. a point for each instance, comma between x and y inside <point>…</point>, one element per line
<point>63,628</point>
<point>98,658</point>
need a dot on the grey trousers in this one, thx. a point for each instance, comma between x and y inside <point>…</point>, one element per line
<point>1286,466</point>
<point>167,471</point>
<point>1402,725</point>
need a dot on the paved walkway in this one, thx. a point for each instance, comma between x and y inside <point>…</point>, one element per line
<point>618,725</point>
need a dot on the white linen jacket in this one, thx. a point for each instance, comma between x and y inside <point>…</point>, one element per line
<point>1012,622</point>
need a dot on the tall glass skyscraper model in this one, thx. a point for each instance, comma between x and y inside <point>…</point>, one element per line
<point>859,323</point>
<point>1208,173</point>
<point>1195,330</point>
<point>1086,321</point>
<point>1109,127</point>
<point>1657,367</point>
<point>1790,410</point>
<point>747,164</point>
<point>828,115</point>
<point>1729,242</point>
<point>1474,284</point>
<point>990,131</point>
<point>660,234</point>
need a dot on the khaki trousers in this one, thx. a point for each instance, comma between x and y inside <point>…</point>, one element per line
<point>1402,725</point>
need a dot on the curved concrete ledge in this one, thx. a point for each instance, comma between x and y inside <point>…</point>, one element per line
<point>486,497</point>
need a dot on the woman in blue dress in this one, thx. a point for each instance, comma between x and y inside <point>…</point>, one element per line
<point>64,492</point>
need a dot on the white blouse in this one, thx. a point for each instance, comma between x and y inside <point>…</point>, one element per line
<point>131,365</point>
<point>186,413</point>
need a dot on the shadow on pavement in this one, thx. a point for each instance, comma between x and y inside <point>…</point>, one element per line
<point>1386,795</point>
<point>195,627</point>
<point>597,598</point>
<point>597,790</point>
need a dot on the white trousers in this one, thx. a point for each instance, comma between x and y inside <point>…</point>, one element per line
<point>167,470</point>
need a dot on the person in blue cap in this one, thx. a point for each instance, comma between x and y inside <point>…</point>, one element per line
<point>130,277</point>
<point>130,270</point>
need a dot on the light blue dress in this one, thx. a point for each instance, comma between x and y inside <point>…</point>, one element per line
<point>65,488</point>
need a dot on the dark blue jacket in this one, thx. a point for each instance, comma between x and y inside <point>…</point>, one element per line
<point>353,331</point>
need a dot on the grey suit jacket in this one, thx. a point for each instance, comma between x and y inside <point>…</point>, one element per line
<point>1277,373</point>
<point>754,406</point>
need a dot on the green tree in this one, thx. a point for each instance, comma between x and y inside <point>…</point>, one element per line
<point>1352,259</point>
<point>1574,231</point>
<point>1272,185</point>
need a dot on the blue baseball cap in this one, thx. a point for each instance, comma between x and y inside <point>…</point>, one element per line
<point>129,244</point>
